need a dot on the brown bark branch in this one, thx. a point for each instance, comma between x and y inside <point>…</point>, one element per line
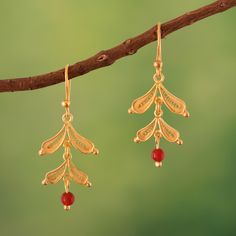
<point>108,57</point>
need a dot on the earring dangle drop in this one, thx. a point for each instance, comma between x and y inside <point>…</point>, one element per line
<point>67,137</point>
<point>158,127</point>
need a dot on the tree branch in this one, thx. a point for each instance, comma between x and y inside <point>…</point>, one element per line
<point>108,57</point>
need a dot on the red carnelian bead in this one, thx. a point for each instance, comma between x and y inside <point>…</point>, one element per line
<point>158,155</point>
<point>67,199</point>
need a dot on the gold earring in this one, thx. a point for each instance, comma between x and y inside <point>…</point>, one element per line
<point>158,127</point>
<point>67,137</point>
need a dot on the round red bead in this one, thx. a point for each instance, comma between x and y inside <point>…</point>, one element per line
<point>67,199</point>
<point>158,155</point>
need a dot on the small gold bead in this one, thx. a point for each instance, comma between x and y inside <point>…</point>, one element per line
<point>136,140</point>
<point>65,104</point>
<point>130,111</point>
<point>44,182</point>
<point>67,143</point>
<point>66,208</point>
<point>186,114</point>
<point>179,142</point>
<point>41,152</point>
<point>158,164</point>
<point>95,151</point>
<point>158,64</point>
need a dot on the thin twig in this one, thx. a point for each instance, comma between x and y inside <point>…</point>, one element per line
<point>108,57</point>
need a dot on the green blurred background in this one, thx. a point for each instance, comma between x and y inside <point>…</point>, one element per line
<point>193,194</point>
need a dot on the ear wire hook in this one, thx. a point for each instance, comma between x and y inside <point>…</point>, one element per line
<point>159,56</point>
<point>66,102</point>
<point>158,76</point>
<point>158,62</point>
<point>67,117</point>
<point>67,84</point>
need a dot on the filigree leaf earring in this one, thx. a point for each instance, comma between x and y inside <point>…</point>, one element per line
<point>158,95</point>
<point>67,137</point>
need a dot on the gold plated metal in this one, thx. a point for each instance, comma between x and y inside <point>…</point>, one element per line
<point>67,137</point>
<point>158,95</point>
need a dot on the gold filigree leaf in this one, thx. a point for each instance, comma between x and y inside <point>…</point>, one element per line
<point>52,144</point>
<point>169,133</point>
<point>174,104</point>
<point>55,175</point>
<point>145,133</point>
<point>78,176</point>
<point>141,104</point>
<point>79,142</point>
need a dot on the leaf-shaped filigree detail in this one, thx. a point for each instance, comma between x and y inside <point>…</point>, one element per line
<point>141,104</point>
<point>55,175</point>
<point>78,176</point>
<point>51,145</point>
<point>79,142</point>
<point>169,133</point>
<point>174,104</point>
<point>145,133</point>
